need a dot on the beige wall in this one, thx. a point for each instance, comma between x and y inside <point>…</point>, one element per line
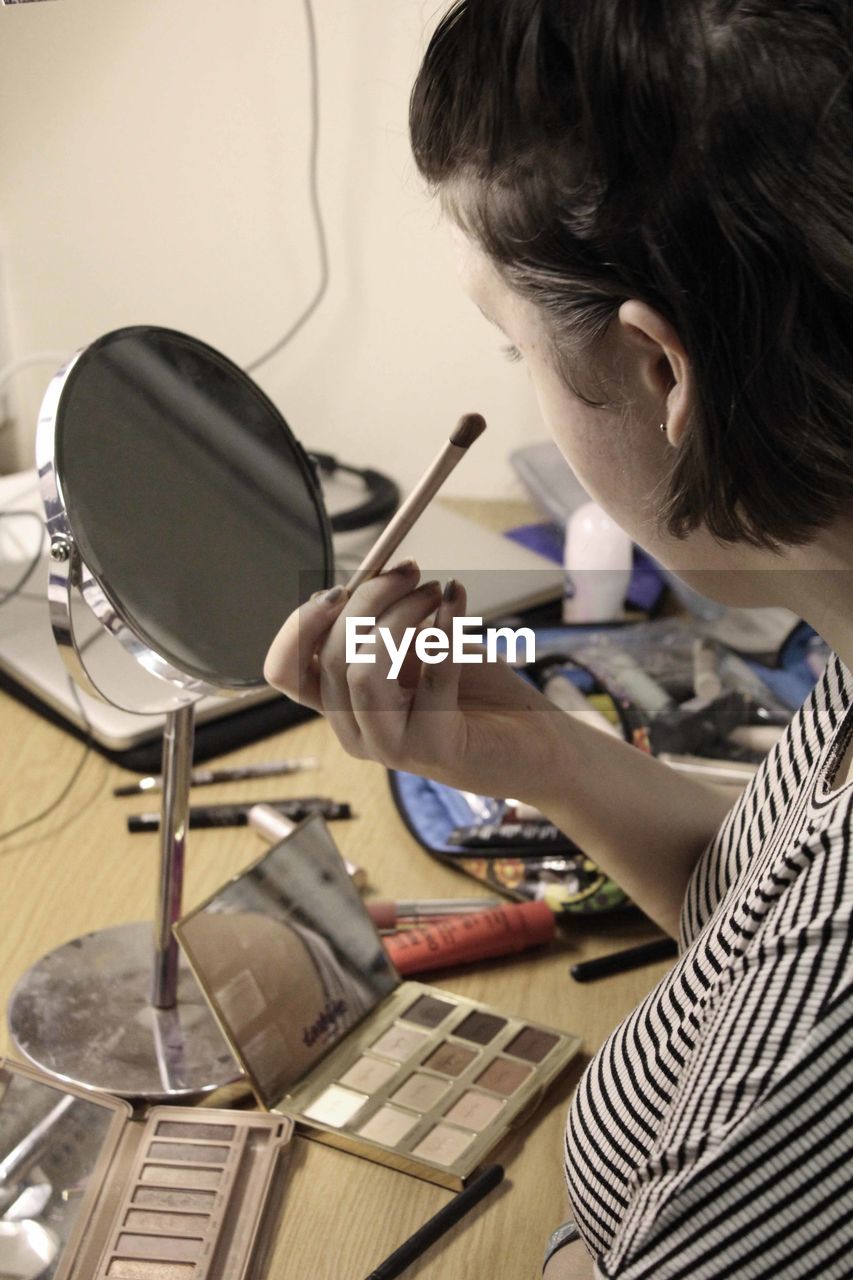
<point>153,168</point>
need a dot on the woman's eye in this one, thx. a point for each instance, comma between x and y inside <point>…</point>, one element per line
<point>512,353</point>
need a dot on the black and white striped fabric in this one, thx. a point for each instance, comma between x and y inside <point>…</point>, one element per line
<point>712,1136</point>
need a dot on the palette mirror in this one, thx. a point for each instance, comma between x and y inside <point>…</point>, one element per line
<point>184,522</point>
<point>51,1143</point>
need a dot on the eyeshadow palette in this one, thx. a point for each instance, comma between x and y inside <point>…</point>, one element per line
<point>184,1194</point>
<point>410,1075</point>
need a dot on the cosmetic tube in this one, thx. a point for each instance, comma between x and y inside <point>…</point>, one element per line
<point>536,835</point>
<point>465,939</point>
<point>387,915</point>
<point>274,826</point>
<point>560,689</point>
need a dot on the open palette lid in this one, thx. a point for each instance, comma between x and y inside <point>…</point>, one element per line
<point>56,1144</point>
<point>289,959</point>
<point>88,1191</point>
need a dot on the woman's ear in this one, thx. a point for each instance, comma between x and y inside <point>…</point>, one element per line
<point>661,365</point>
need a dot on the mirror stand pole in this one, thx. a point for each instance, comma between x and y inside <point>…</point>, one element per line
<point>176,768</point>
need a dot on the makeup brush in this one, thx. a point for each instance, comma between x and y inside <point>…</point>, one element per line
<point>468,428</point>
<point>440,1223</point>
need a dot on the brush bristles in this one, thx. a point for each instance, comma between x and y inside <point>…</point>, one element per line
<point>468,428</point>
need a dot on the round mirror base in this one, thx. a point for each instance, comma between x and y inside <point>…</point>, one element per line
<point>83,1014</point>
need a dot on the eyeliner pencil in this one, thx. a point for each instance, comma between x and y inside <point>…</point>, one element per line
<point>622,961</point>
<point>237,815</point>
<point>468,429</point>
<point>440,1223</point>
<point>207,777</point>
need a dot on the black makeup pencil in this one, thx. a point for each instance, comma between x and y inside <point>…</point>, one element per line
<point>237,815</point>
<point>622,961</point>
<point>439,1224</point>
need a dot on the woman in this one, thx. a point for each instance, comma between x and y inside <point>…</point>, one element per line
<point>653,201</point>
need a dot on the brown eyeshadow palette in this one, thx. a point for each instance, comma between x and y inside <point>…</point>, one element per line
<point>430,1083</point>
<point>410,1075</point>
<point>184,1194</point>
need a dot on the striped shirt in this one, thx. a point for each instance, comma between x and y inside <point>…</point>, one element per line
<point>712,1135</point>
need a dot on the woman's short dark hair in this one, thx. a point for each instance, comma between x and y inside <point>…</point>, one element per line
<point>694,154</point>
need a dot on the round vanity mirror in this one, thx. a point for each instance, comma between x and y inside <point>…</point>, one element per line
<point>185,523</point>
<point>182,507</point>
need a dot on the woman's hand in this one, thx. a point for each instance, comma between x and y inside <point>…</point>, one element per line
<point>476,726</point>
<point>570,1263</point>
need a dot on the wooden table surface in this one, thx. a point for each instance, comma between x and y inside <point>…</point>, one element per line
<point>79,870</point>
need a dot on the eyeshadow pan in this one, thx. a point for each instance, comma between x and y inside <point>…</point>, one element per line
<point>163,1248</point>
<point>480,1028</point>
<point>503,1076</point>
<point>450,1059</point>
<point>139,1269</point>
<point>532,1044</point>
<point>194,1152</point>
<point>165,1175</point>
<point>174,1223</point>
<point>428,1011</point>
<point>421,1091</point>
<point>369,1074</point>
<point>399,1042</point>
<point>163,1198</point>
<point>335,1106</point>
<point>474,1110</point>
<point>443,1144</point>
<point>201,1131</point>
<point>388,1126</point>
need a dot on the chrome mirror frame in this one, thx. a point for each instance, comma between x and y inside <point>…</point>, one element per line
<point>141,1027</point>
<point>69,574</point>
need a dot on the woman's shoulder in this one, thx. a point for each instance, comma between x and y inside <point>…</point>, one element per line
<point>790,810</point>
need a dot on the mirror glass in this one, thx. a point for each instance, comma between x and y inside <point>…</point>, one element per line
<point>53,1147</point>
<point>289,958</point>
<point>190,501</point>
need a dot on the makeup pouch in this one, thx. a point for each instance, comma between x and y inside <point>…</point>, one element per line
<point>569,882</point>
<point>567,879</point>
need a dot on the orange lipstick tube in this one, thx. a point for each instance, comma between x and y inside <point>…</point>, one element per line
<point>463,939</point>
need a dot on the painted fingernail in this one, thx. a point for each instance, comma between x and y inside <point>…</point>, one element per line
<point>432,585</point>
<point>451,587</point>
<point>404,566</point>
<point>333,596</point>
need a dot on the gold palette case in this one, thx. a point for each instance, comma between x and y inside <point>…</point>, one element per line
<point>413,1076</point>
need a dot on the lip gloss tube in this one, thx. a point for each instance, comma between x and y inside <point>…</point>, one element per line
<point>464,939</point>
<point>387,915</point>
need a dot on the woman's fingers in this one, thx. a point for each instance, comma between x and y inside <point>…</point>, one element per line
<point>291,662</point>
<point>438,689</point>
<point>382,689</point>
<point>369,704</point>
<point>369,602</point>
